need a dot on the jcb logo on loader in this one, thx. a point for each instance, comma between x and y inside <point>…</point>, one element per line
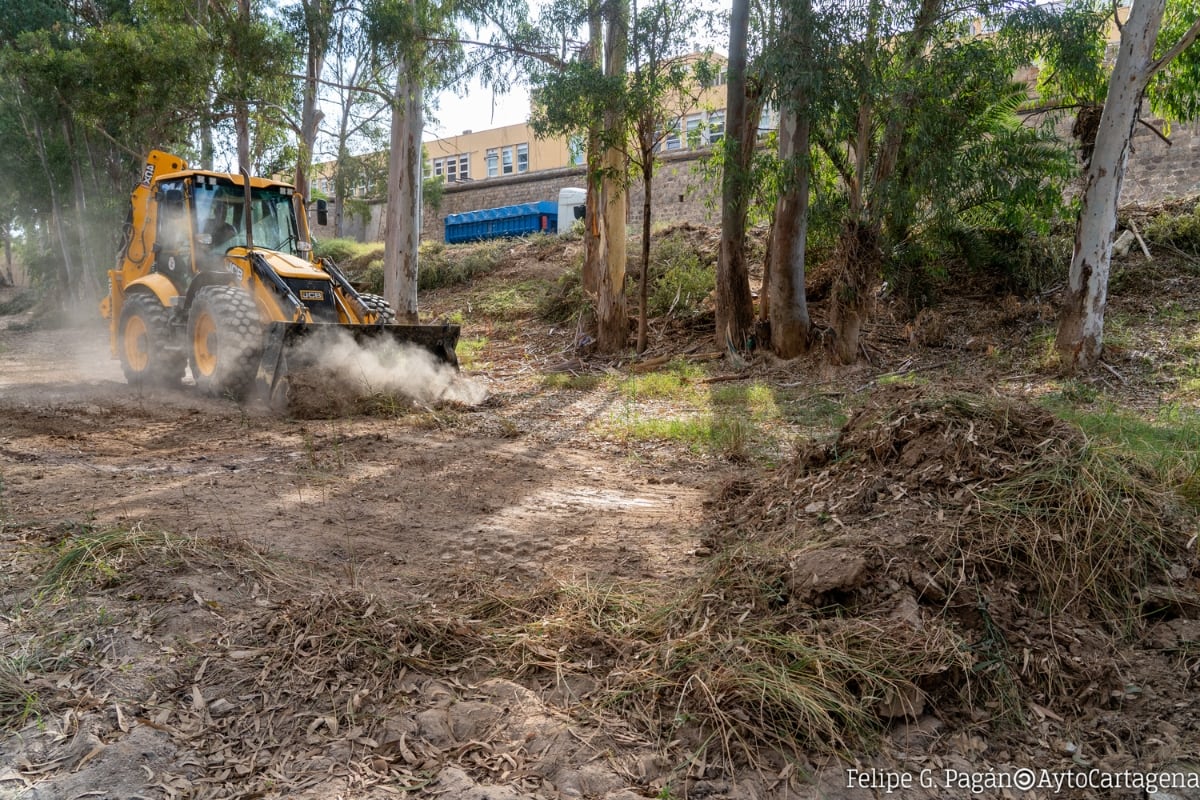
<point>312,294</point>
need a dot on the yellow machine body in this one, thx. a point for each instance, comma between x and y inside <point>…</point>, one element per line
<point>217,273</point>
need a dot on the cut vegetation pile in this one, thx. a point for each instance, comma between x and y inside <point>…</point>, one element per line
<point>985,534</point>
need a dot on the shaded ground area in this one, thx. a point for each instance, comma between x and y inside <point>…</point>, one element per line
<point>674,579</point>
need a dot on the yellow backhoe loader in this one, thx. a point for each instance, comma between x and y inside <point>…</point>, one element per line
<point>217,274</point>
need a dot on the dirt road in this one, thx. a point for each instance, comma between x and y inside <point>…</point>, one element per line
<point>405,506</point>
<point>405,499</point>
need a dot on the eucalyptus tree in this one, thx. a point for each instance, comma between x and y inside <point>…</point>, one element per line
<point>785,295</point>
<point>734,306</point>
<point>665,83</point>
<point>355,87</point>
<point>586,96</point>
<point>1144,56</point>
<point>252,81</point>
<point>918,118</point>
<point>90,88</point>
<point>312,23</point>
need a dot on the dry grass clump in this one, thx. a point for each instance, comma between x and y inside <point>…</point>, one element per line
<point>730,675</point>
<point>974,515</point>
<point>100,559</point>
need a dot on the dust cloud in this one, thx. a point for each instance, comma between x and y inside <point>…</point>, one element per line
<point>385,366</point>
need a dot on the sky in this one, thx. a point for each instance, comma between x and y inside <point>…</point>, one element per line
<point>480,109</point>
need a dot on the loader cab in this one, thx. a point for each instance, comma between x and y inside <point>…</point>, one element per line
<point>219,209</point>
<point>173,238</point>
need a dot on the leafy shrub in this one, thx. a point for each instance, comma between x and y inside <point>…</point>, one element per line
<point>339,250</point>
<point>1181,231</point>
<point>447,266</point>
<point>565,300</point>
<point>371,279</point>
<point>680,280</point>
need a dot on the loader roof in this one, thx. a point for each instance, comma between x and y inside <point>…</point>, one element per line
<point>255,181</point>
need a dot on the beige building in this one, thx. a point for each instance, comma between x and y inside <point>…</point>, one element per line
<point>515,150</point>
<point>495,153</point>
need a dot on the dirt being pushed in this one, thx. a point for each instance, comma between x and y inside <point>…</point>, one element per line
<point>1044,584</point>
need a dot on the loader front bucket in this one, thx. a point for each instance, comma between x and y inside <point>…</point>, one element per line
<point>282,353</point>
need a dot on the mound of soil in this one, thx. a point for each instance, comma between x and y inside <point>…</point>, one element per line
<point>944,517</point>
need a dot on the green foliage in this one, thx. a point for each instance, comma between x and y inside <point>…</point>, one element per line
<point>1069,40</point>
<point>338,250</point>
<point>1174,93</point>
<point>565,300</point>
<point>1180,231</point>
<point>680,279</point>
<point>371,278</point>
<point>448,266</point>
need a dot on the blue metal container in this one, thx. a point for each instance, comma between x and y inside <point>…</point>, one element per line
<point>498,223</point>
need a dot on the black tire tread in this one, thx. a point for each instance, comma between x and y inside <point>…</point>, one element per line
<point>167,361</point>
<point>239,343</point>
<point>377,305</point>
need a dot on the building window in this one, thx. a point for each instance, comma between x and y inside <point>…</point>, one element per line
<point>575,151</point>
<point>451,170</point>
<point>694,130</point>
<point>716,126</point>
<point>438,166</point>
<point>523,158</point>
<point>493,162</point>
<point>464,167</point>
<point>507,158</point>
<point>672,141</point>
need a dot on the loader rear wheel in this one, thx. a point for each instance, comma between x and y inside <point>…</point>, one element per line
<point>226,338</point>
<point>377,305</point>
<point>149,357</point>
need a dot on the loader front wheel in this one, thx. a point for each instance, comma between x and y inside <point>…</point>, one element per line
<point>226,338</point>
<point>385,314</point>
<point>149,357</point>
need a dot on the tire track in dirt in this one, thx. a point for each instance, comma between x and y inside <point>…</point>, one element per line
<point>367,495</point>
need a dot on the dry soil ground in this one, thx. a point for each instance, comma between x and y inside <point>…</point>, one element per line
<point>205,600</point>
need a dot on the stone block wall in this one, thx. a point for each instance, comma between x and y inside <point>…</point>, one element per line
<point>682,193</point>
<point>1157,171</point>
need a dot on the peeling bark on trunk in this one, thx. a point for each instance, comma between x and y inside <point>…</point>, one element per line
<point>790,324</point>
<point>643,309</point>
<point>1080,337</point>
<point>404,170</point>
<point>317,14</point>
<point>593,233</point>
<point>612,316</point>
<point>735,308</point>
<point>858,259</point>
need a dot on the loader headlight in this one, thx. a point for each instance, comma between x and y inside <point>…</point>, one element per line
<point>303,247</point>
<point>204,238</point>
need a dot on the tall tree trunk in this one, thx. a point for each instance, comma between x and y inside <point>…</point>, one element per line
<point>207,147</point>
<point>1081,326</point>
<point>735,310</point>
<point>859,257</point>
<point>644,283</point>
<point>612,318</point>
<point>593,240</point>
<point>88,286</point>
<point>404,170</point>
<point>317,18</point>
<point>9,273</point>
<point>790,323</point>
<point>241,108</point>
<point>67,276</point>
